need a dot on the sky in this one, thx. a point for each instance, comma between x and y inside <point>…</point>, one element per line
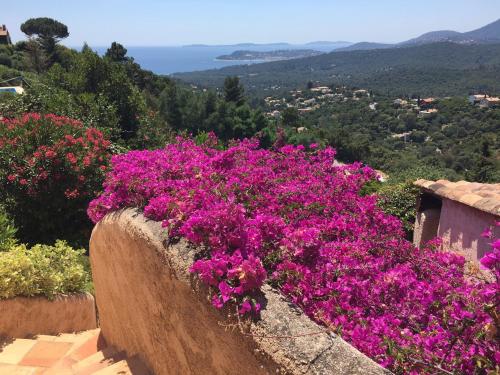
<point>180,22</point>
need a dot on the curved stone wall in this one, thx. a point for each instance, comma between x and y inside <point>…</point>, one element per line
<point>151,306</point>
<point>23,317</point>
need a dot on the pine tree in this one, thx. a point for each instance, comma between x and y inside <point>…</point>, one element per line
<point>233,91</point>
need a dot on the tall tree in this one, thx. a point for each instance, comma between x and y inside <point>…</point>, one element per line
<point>485,167</point>
<point>47,32</point>
<point>233,91</point>
<point>117,52</point>
<point>170,107</point>
<point>290,116</point>
<point>35,56</point>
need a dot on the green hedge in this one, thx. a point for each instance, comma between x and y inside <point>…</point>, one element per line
<point>7,232</point>
<point>400,200</point>
<point>43,271</point>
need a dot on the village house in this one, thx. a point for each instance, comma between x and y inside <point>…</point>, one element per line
<point>322,89</point>
<point>361,92</point>
<point>458,213</point>
<point>4,35</point>
<point>305,110</point>
<point>275,114</point>
<point>475,99</point>
<point>427,112</point>
<point>489,102</point>
<point>426,103</point>
<point>400,102</point>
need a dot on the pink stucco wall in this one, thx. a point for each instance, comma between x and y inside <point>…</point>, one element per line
<point>460,227</point>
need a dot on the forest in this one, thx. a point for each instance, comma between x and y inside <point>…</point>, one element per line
<point>140,109</point>
<point>432,69</point>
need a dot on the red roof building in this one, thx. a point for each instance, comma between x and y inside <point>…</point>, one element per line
<point>4,35</point>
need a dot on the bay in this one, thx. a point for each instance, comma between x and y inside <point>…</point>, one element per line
<point>169,60</point>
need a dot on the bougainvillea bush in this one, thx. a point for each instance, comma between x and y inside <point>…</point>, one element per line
<point>292,218</point>
<point>51,167</point>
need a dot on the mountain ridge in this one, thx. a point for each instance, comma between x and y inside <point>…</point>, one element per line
<point>489,33</point>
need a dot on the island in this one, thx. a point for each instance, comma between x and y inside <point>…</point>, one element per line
<point>277,55</point>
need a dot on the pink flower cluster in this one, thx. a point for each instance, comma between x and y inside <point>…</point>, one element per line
<point>292,218</point>
<point>43,153</point>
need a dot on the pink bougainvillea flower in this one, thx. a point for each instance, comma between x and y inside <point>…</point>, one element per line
<point>297,219</point>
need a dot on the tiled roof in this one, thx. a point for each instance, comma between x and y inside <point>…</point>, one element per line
<point>484,197</point>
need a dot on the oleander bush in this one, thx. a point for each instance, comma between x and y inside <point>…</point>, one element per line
<point>43,270</point>
<point>293,219</point>
<point>50,169</point>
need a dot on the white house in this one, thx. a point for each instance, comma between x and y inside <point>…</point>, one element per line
<point>475,99</point>
<point>489,102</point>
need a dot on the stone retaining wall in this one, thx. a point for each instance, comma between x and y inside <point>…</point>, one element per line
<point>150,305</point>
<point>23,317</point>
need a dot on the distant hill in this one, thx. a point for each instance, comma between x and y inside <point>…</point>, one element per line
<point>434,37</point>
<point>281,45</point>
<point>333,45</point>
<point>365,46</point>
<point>276,55</point>
<point>487,34</point>
<point>438,68</point>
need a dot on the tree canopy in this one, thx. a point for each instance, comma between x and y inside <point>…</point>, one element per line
<point>46,28</point>
<point>48,33</point>
<point>233,90</point>
<point>117,52</point>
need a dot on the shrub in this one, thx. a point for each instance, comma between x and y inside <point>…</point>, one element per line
<point>50,169</point>
<point>92,110</point>
<point>400,200</point>
<point>43,270</point>
<point>5,60</point>
<point>7,232</point>
<point>298,221</point>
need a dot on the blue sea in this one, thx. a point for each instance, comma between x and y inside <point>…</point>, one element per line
<point>169,60</point>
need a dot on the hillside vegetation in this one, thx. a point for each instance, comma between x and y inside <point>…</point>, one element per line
<point>433,69</point>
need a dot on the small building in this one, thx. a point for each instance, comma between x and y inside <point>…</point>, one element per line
<point>400,102</point>
<point>426,103</point>
<point>428,112</point>
<point>322,89</point>
<point>475,99</point>
<point>4,35</point>
<point>361,92</point>
<point>458,213</point>
<point>12,90</point>
<point>305,110</point>
<point>489,102</point>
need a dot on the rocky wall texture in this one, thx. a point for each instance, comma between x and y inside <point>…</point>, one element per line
<point>150,305</point>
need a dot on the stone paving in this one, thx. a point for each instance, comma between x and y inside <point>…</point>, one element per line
<point>81,353</point>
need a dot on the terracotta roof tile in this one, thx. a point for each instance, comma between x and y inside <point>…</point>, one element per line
<point>484,197</point>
